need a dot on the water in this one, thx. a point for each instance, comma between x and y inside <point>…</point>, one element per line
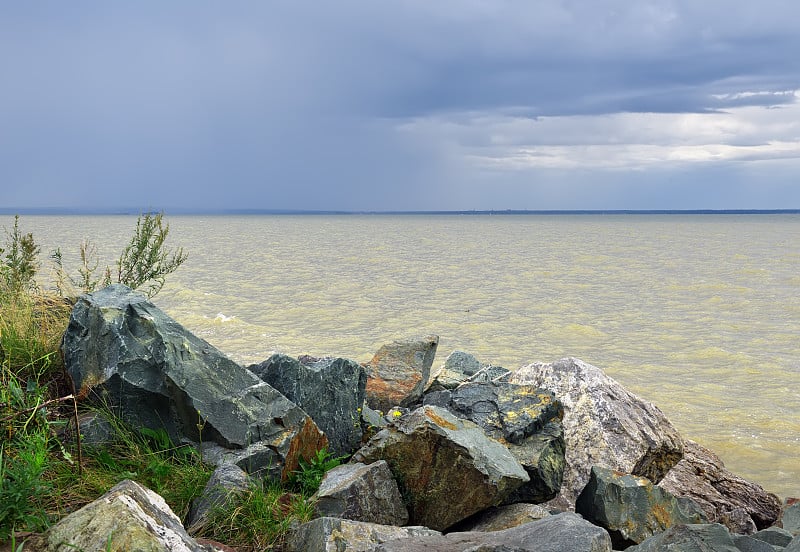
<point>699,314</point>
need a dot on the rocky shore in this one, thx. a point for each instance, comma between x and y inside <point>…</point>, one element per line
<point>462,456</point>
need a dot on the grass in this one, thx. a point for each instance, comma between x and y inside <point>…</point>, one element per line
<point>44,477</point>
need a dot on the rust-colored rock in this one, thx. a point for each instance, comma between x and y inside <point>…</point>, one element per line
<point>399,371</point>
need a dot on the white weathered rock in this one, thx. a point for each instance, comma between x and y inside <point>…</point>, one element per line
<point>604,424</point>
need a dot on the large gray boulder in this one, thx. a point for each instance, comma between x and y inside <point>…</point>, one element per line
<point>566,532</point>
<point>708,537</point>
<point>724,496</point>
<point>124,352</point>
<point>329,534</point>
<point>330,390</point>
<point>399,371</point>
<point>507,516</point>
<point>630,508</point>
<point>127,517</point>
<point>526,419</point>
<point>362,493</point>
<point>790,515</point>
<point>604,424</point>
<point>447,468</point>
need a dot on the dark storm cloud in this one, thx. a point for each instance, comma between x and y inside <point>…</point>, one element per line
<point>355,104</point>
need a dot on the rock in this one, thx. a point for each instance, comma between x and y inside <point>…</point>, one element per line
<point>361,493</point>
<point>128,354</point>
<point>457,369</point>
<point>327,534</point>
<point>131,516</point>
<point>95,430</point>
<point>543,455</point>
<point>398,373</point>
<point>524,418</point>
<point>793,546</point>
<point>227,481</point>
<point>707,537</point>
<point>790,515</point>
<point>502,517</point>
<point>736,520</point>
<point>604,424</point>
<point>630,508</point>
<point>746,543</point>
<point>330,390</point>
<point>447,468</point>
<point>774,536</point>
<point>491,373</point>
<point>566,532</point>
<point>702,476</point>
<point>507,412</point>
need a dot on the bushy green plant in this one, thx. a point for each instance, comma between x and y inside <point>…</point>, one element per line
<point>307,479</point>
<point>19,261</point>
<point>143,265</point>
<point>146,261</point>
<point>258,518</point>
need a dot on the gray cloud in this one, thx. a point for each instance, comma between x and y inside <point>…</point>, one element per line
<point>365,105</point>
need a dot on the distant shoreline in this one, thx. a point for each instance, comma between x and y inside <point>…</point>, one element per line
<point>504,212</point>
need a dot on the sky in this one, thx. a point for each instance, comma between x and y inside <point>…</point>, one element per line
<point>400,105</point>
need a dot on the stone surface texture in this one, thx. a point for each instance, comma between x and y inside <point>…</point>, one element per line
<point>447,468</point>
<point>708,537</point>
<point>128,517</point>
<point>126,353</point>
<point>566,532</point>
<point>328,534</point>
<point>362,493</point>
<point>702,476</point>
<point>330,390</point>
<point>498,518</point>
<point>399,372</point>
<point>525,418</point>
<point>629,507</point>
<point>604,424</point>
<point>226,481</point>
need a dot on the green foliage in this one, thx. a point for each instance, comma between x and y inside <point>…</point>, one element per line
<point>258,518</point>
<point>20,263</point>
<point>24,454</point>
<point>308,478</point>
<point>146,261</point>
<point>144,264</point>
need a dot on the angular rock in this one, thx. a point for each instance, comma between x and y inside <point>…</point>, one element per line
<point>502,517</point>
<point>524,418</point>
<point>604,424</point>
<point>630,508</point>
<point>790,515</point>
<point>226,482</point>
<point>507,412</point>
<point>327,534</point>
<point>447,468</point>
<point>736,520</point>
<point>491,373</point>
<point>131,516</point>
<point>330,390</point>
<point>127,353</point>
<point>775,536</point>
<point>793,546</point>
<point>746,543</point>
<point>361,493</point>
<point>399,371</point>
<point>543,455</point>
<point>566,532</point>
<point>457,369</point>
<point>702,476</point>
<point>706,537</point>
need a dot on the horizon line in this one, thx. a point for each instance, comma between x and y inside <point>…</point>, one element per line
<point>67,211</point>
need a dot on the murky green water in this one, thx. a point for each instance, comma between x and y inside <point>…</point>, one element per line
<point>698,314</point>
